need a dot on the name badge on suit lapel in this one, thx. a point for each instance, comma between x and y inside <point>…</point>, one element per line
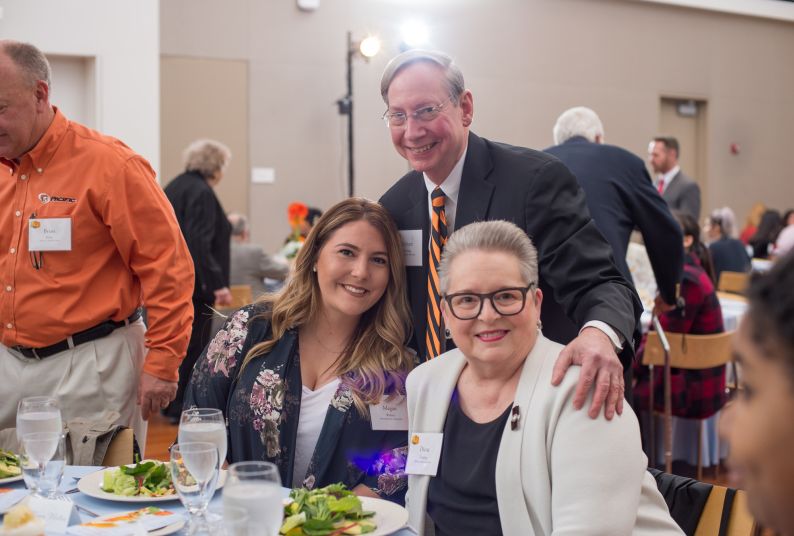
<point>424,453</point>
<point>412,246</point>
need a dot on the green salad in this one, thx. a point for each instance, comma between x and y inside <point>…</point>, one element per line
<point>149,477</point>
<point>9,464</point>
<point>330,511</point>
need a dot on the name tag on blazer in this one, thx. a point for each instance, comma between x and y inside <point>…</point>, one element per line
<point>424,452</point>
<point>412,246</point>
<point>390,414</point>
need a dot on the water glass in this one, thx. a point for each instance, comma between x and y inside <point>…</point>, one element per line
<point>194,472</point>
<point>38,414</point>
<point>204,424</point>
<point>42,462</point>
<point>235,522</point>
<point>256,488</point>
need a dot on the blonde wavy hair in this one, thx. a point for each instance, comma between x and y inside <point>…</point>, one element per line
<point>375,361</point>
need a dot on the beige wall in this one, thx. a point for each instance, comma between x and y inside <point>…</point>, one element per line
<point>206,98</point>
<point>525,61</point>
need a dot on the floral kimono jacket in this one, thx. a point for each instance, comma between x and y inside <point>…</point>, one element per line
<point>263,404</point>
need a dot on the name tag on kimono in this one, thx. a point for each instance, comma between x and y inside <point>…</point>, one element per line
<point>412,246</point>
<point>50,234</point>
<point>390,414</point>
<point>424,452</point>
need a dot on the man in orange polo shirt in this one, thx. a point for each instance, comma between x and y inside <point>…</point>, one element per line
<point>86,237</point>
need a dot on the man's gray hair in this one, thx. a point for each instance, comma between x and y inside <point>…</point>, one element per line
<point>206,157</point>
<point>494,235</point>
<point>29,59</point>
<point>578,121</point>
<point>239,224</point>
<point>453,77</point>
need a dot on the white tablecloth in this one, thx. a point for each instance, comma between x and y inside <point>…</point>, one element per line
<point>102,507</point>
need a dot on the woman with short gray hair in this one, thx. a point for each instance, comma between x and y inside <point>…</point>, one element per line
<point>207,232</point>
<point>516,457</point>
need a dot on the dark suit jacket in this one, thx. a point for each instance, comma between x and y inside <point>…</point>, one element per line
<point>683,194</point>
<point>536,192</point>
<point>621,196</point>
<point>206,229</point>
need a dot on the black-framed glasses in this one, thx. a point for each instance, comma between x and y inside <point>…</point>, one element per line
<point>505,301</point>
<point>424,115</point>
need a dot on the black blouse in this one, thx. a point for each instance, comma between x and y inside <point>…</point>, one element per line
<point>462,497</point>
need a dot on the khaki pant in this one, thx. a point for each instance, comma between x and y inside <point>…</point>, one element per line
<point>89,379</point>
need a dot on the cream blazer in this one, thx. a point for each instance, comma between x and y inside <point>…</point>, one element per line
<point>559,472</point>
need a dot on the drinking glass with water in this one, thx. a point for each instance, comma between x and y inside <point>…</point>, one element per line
<point>38,414</point>
<point>256,488</point>
<point>204,424</point>
<point>42,462</point>
<point>194,472</point>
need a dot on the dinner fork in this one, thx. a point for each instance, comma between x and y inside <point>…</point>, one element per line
<point>77,506</point>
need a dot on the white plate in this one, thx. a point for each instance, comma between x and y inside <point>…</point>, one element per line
<point>169,529</point>
<point>10,479</point>
<point>91,485</point>
<point>389,517</point>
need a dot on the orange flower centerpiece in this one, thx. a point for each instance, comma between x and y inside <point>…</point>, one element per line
<point>296,214</point>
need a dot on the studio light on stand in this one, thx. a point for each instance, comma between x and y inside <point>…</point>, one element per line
<point>366,48</point>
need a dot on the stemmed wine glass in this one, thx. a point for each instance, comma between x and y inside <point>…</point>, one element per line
<point>41,414</point>
<point>255,486</point>
<point>38,414</point>
<point>204,424</point>
<point>194,472</point>
<point>40,447</point>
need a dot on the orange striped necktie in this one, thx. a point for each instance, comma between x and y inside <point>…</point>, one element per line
<point>434,336</point>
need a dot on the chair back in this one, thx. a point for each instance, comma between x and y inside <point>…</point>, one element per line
<point>726,514</point>
<point>683,351</point>
<point>120,449</point>
<point>689,351</point>
<point>241,296</point>
<point>735,282</point>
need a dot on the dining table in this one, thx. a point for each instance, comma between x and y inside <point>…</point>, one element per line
<point>89,508</point>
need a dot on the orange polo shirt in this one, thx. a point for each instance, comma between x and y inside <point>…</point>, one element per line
<point>127,248</point>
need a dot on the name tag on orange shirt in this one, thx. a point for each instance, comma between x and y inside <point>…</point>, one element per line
<point>50,234</point>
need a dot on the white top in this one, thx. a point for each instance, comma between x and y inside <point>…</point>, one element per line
<point>785,241</point>
<point>314,406</point>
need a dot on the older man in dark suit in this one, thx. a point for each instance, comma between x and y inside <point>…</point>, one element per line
<point>620,197</point>
<point>680,191</point>
<point>460,178</point>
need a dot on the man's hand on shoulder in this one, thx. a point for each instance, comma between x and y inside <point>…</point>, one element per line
<point>154,394</point>
<point>601,370</point>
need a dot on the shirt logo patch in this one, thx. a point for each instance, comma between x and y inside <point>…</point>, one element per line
<point>44,198</point>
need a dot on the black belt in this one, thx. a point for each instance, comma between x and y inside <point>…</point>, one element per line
<point>97,332</point>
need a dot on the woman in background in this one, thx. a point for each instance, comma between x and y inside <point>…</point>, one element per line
<point>764,238</point>
<point>751,224</point>
<point>296,372</point>
<point>758,424</point>
<point>207,233</point>
<point>696,394</point>
<point>727,253</point>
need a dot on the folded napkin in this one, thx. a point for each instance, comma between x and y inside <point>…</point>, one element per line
<point>133,523</point>
<point>9,497</point>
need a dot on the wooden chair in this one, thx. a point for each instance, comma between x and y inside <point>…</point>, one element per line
<point>241,296</point>
<point>734,282</point>
<point>703,509</point>
<point>120,449</point>
<point>683,351</point>
<point>734,504</point>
